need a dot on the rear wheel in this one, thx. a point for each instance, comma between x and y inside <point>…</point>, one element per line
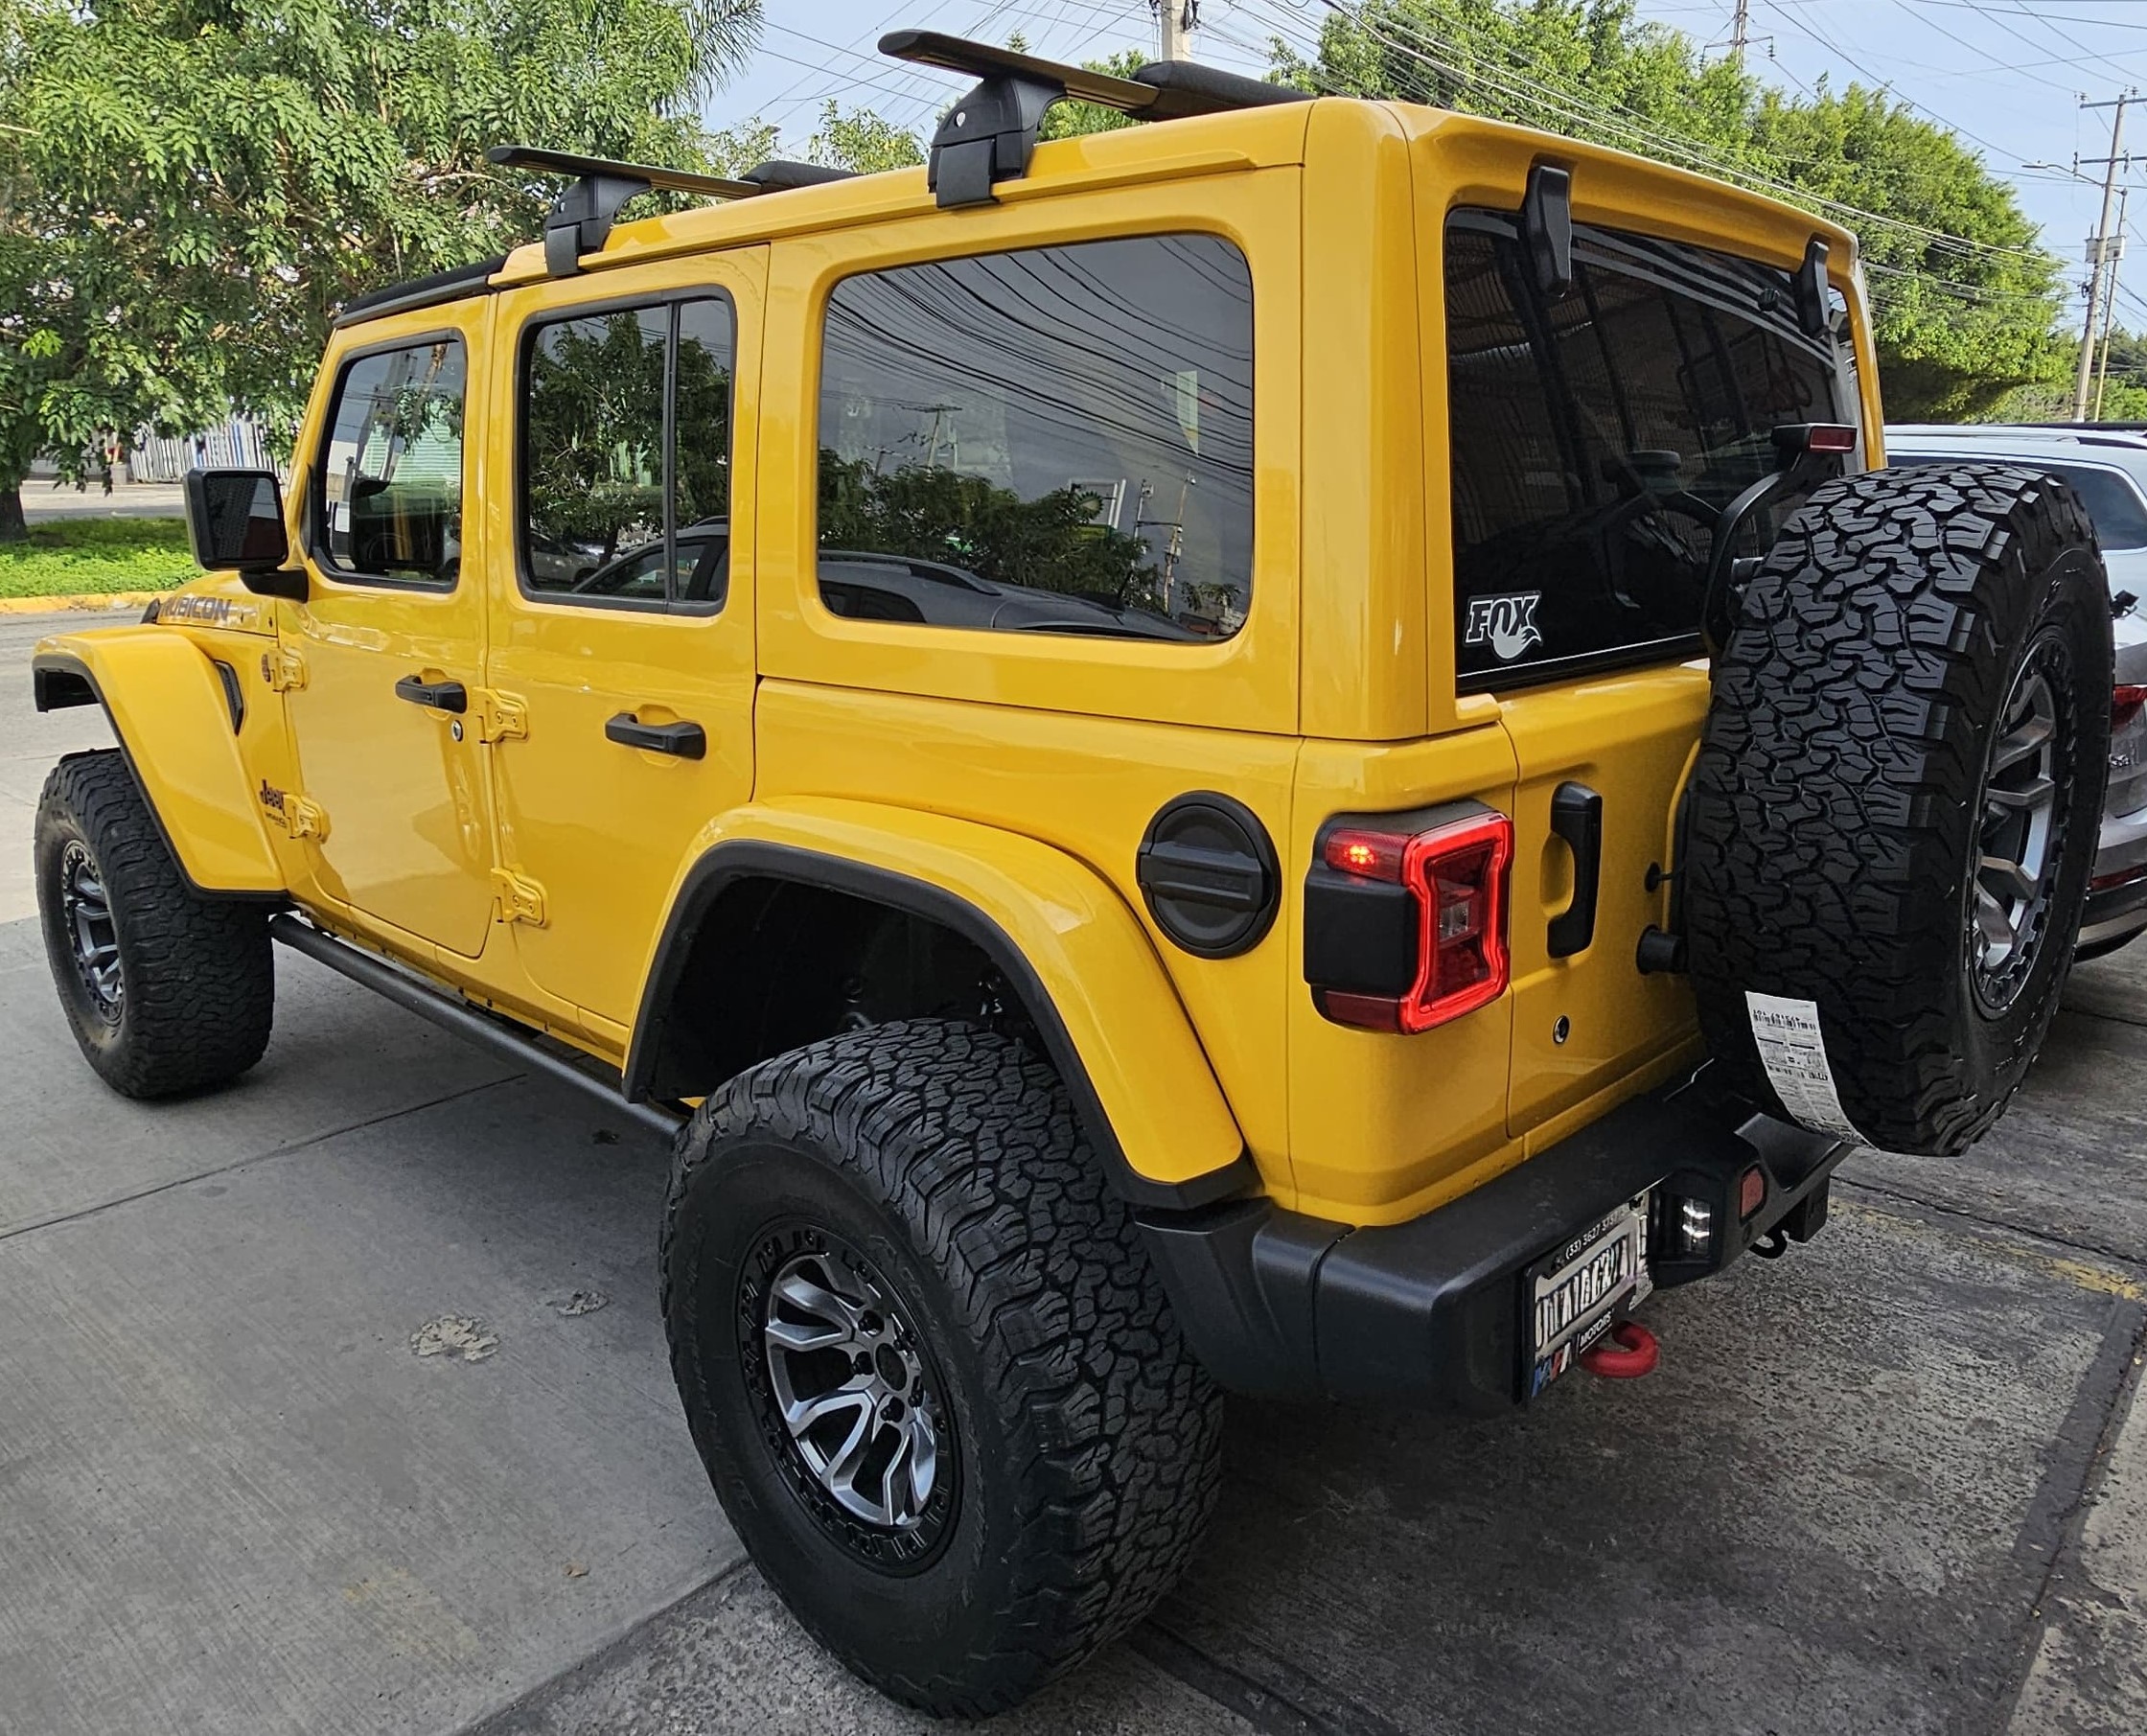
<point>165,989</point>
<point>934,1380</point>
<point>1894,810</point>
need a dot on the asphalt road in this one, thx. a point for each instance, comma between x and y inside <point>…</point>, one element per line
<point>1887,1484</point>
<point>41,500</point>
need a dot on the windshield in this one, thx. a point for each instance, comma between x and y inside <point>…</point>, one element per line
<point>2113,503</point>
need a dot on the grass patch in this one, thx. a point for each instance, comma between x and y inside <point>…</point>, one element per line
<point>69,557</point>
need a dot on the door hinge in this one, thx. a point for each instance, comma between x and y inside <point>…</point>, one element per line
<point>518,897</point>
<point>284,668</point>
<point>297,814</point>
<point>501,716</point>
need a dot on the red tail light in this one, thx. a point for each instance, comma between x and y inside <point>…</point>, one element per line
<point>2126,703</point>
<point>1405,926</point>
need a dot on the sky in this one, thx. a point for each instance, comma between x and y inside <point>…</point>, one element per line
<point>2008,76</point>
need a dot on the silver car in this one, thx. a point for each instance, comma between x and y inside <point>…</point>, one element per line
<point>2107,465</point>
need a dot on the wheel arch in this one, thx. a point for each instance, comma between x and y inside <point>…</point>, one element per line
<point>171,716</point>
<point>1059,938</point>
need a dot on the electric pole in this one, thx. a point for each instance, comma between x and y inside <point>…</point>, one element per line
<point>2116,252</point>
<point>2098,247</point>
<point>1739,31</point>
<point>1175,22</point>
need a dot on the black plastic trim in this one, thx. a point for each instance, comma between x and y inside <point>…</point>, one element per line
<point>452,1012</point>
<point>1278,1304</point>
<point>1577,817</point>
<point>1242,879</point>
<point>55,673</point>
<point>744,858</point>
<point>233,697</point>
<point>1547,227</point>
<point>451,284</point>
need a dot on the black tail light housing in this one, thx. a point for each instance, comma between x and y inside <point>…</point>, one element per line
<point>1405,915</point>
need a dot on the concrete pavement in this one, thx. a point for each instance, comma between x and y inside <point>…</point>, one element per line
<point>336,1402</point>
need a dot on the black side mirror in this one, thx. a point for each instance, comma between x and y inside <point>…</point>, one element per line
<point>234,519</point>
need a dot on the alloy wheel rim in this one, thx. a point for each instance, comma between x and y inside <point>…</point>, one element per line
<point>85,913</point>
<point>2018,839</point>
<point>856,1397</point>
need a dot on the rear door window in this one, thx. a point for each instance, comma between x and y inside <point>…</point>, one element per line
<point>1596,438</point>
<point>1055,440</point>
<point>625,463</point>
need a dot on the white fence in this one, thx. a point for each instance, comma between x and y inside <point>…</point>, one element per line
<point>236,444</point>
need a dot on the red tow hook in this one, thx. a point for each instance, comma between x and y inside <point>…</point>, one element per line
<point>1628,1351</point>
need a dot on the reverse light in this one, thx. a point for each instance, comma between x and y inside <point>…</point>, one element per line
<point>1696,1227</point>
<point>1406,923</point>
<point>2126,702</point>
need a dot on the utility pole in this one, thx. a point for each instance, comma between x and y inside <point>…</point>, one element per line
<point>1175,21</point>
<point>2116,253</point>
<point>1739,31</point>
<point>2098,246</point>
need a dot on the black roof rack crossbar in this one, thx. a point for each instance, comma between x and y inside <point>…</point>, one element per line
<point>581,216</point>
<point>989,136</point>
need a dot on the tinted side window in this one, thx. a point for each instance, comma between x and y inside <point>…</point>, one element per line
<point>626,456</point>
<point>390,502</point>
<point>2120,519</point>
<point>1055,440</point>
<point>1596,438</point>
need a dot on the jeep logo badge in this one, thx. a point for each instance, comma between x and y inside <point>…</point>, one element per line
<point>1505,624</point>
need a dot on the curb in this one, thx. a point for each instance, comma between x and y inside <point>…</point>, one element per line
<point>79,603</point>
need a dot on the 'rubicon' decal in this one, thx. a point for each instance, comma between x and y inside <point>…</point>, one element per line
<point>1506,624</point>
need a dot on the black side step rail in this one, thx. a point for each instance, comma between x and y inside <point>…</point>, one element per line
<point>450,1012</point>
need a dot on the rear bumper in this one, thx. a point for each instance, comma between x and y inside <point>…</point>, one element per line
<point>1278,1304</point>
<point>2115,911</point>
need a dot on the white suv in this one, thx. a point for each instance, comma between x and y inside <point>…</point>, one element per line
<point>2107,464</point>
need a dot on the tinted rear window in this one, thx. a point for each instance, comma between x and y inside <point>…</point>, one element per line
<point>1595,437</point>
<point>2111,501</point>
<point>1055,440</point>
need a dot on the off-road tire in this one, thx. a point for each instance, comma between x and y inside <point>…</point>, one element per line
<point>197,982</point>
<point>1837,804</point>
<point>1086,1439</point>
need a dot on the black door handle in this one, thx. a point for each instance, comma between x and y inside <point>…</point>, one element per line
<point>1577,817</point>
<point>440,696</point>
<point>688,741</point>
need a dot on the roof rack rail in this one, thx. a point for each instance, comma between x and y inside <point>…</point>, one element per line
<point>989,136</point>
<point>581,216</point>
<point>778,175</point>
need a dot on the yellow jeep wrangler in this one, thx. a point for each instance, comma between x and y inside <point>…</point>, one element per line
<point>1295,749</point>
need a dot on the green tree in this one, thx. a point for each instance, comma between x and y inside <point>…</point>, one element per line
<point>189,188</point>
<point>861,142</point>
<point>1964,295</point>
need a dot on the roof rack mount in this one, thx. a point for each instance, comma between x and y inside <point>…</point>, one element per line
<point>990,134</point>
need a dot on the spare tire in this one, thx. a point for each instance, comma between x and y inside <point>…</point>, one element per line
<point>1894,808</point>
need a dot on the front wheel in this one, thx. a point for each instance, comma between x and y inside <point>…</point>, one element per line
<point>934,1381</point>
<point>166,989</point>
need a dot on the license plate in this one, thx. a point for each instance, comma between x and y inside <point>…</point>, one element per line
<point>1580,1289</point>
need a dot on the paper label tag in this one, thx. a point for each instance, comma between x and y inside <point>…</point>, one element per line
<point>1795,1055</point>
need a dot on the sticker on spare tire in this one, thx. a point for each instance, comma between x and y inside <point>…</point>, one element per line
<point>1794,1050</point>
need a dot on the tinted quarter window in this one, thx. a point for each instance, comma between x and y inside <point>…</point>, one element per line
<point>626,454</point>
<point>390,502</point>
<point>1055,440</point>
<point>2120,518</point>
<point>1596,438</point>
